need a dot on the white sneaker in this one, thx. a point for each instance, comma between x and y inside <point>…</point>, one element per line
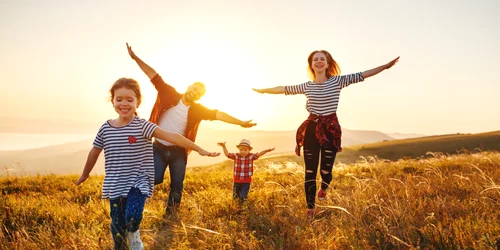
<point>134,241</point>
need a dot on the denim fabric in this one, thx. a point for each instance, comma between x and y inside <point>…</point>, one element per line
<point>312,150</point>
<point>176,160</point>
<point>126,216</point>
<point>240,191</point>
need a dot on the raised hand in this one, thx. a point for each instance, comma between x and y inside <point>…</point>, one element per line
<point>222,144</point>
<point>130,52</point>
<point>248,124</point>
<point>391,63</point>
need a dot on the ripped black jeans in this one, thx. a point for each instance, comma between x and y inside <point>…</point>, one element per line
<point>312,151</point>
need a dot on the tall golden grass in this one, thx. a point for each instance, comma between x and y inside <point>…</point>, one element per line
<point>442,202</point>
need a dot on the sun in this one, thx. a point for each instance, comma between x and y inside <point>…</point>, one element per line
<point>228,70</point>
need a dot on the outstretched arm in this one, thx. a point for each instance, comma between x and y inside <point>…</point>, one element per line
<point>181,141</point>
<point>150,72</point>
<point>89,165</point>
<point>223,145</point>
<point>261,153</point>
<point>374,71</point>
<point>221,116</point>
<point>275,90</point>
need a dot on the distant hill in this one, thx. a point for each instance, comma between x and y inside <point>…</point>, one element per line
<point>418,147</point>
<point>44,126</point>
<point>70,157</point>
<point>405,135</point>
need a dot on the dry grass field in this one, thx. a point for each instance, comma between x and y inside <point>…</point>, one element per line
<point>439,202</point>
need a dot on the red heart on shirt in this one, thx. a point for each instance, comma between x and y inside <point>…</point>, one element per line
<point>132,139</point>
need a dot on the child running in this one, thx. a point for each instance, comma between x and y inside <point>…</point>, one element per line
<point>243,167</point>
<point>129,167</point>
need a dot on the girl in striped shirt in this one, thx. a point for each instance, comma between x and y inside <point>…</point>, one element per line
<point>129,167</point>
<point>320,133</point>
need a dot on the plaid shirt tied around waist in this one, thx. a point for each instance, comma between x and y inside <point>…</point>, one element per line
<point>328,132</point>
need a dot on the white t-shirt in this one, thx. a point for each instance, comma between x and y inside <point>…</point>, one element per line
<point>174,120</point>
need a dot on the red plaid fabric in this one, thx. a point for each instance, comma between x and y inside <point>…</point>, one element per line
<point>328,132</point>
<point>243,166</point>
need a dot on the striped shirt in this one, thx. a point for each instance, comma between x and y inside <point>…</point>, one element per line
<point>243,166</point>
<point>323,98</point>
<point>128,157</point>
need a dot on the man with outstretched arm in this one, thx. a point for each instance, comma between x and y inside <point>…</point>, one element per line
<point>178,113</point>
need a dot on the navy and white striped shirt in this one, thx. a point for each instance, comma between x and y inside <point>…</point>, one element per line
<point>323,98</point>
<point>128,157</point>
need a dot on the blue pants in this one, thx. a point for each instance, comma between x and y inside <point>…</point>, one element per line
<point>126,215</point>
<point>176,160</point>
<point>240,191</point>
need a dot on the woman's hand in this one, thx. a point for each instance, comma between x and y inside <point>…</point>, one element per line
<point>260,91</point>
<point>273,90</point>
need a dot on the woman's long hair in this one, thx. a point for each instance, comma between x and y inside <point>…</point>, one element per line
<point>333,67</point>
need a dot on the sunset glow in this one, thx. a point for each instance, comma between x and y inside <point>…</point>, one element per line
<point>60,62</point>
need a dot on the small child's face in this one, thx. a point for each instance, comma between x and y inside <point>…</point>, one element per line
<point>125,102</point>
<point>244,150</point>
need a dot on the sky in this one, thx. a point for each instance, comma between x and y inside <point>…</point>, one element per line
<point>59,59</point>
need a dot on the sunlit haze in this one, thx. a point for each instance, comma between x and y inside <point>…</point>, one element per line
<point>59,59</point>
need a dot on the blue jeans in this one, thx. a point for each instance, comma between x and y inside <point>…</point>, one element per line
<point>126,215</point>
<point>240,191</point>
<point>176,160</point>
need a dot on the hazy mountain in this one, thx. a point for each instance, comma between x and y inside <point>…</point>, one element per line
<point>70,157</point>
<point>45,126</point>
<point>405,135</point>
<point>424,146</point>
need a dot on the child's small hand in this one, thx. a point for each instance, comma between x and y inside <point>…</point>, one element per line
<point>206,153</point>
<point>82,179</point>
<point>222,144</point>
<point>269,150</point>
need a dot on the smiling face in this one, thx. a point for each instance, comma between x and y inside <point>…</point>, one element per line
<point>319,63</point>
<point>194,92</point>
<point>244,150</point>
<point>125,102</point>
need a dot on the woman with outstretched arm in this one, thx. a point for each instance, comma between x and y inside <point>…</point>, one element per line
<point>320,134</point>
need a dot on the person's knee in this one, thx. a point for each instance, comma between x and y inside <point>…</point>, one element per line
<point>310,175</point>
<point>177,185</point>
<point>326,175</point>
<point>134,217</point>
<point>308,154</point>
<point>159,175</point>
